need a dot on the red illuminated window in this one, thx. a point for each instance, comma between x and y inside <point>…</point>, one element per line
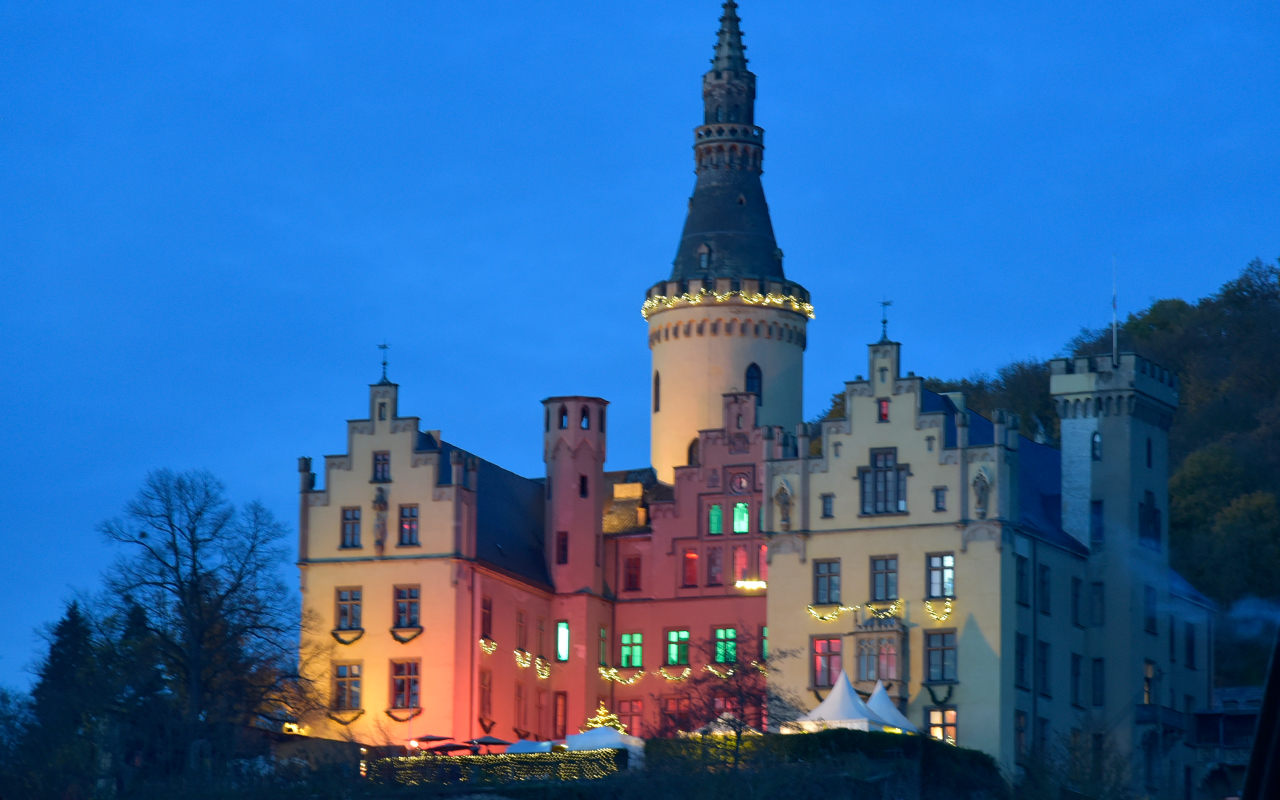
<point>690,567</point>
<point>826,662</point>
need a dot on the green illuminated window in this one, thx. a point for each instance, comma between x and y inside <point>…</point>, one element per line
<point>677,648</point>
<point>741,518</point>
<point>715,520</point>
<point>632,646</point>
<point>562,641</point>
<point>726,645</point>
<point>764,642</point>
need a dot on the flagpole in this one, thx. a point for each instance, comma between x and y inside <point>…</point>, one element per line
<point>1115,333</point>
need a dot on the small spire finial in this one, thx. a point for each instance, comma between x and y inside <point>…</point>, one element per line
<point>729,46</point>
<point>1115,330</point>
<point>384,347</point>
<point>884,319</point>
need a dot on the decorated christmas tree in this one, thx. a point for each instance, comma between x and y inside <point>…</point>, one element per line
<point>604,718</point>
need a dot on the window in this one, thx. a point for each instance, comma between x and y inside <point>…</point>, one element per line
<point>1020,732</point>
<point>348,609</point>
<point>585,422</point>
<point>1077,666</point>
<point>542,635</point>
<point>559,715</point>
<point>1099,682</point>
<point>726,645</point>
<point>604,646</point>
<point>404,684</point>
<point>741,518</point>
<point>631,574</point>
<point>692,455</point>
<point>942,575</point>
<point>1149,609</point>
<point>826,583</point>
<point>835,449</point>
<point>408,526</point>
<point>522,717</point>
<point>677,648</point>
<point>1021,588</point>
<point>939,498</point>
<point>632,650</point>
<point>940,656</point>
<point>657,393</point>
<point>884,484</point>
<point>1189,642</point>
<point>486,694</point>
<point>562,641</point>
<point>755,383</point>
<point>826,662</point>
<point>486,617</point>
<point>1097,528</point>
<point>877,660</point>
<point>764,642</point>
<point>1097,604</point>
<point>406,608</point>
<point>1148,682</point>
<point>522,638</point>
<point>1077,588</point>
<point>1148,452</point>
<point>942,724</point>
<point>675,713</point>
<point>1042,591</point>
<point>1020,661</point>
<point>582,486</point>
<point>346,686</point>
<point>704,258</point>
<point>631,714</point>
<point>350,527</point>
<point>690,567</point>
<point>882,410</point>
<point>715,520</point>
<point>762,570</point>
<point>562,547</point>
<point>884,578</point>
<point>382,411</point>
<point>828,504</point>
<point>739,563</point>
<point>1096,446</point>
<point>715,567</point>
<point>1042,667</point>
<point>564,418</point>
<point>1149,521</point>
<point>382,466</point>
<point>1042,735</point>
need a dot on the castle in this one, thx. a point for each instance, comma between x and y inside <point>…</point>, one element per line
<point>1009,594</point>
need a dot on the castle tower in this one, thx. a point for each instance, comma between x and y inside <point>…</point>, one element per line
<point>574,451</point>
<point>727,320</point>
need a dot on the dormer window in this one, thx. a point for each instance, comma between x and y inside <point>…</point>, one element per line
<point>382,410</point>
<point>704,257</point>
<point>882,410</point>
<point>1096,446</point>
<point>382,466</point>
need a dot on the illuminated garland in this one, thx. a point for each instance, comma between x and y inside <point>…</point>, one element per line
<point>760,667</point>
<point>755,299</point>
<point>523,658</point>
<point>886,613</point>
<point>543,667</point>
<point>724,676</point>
<point>488,646</point>
<point>435,769</point>
<point>611,674</point>
<point>832,616</point>
<point>682,676</point>
<point>939,616</point>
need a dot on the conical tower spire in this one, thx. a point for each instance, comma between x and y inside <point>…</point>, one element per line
<point>729,46</point>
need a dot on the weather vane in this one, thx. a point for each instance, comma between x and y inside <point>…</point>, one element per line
<point>884,319</point>
<point>384,347</point>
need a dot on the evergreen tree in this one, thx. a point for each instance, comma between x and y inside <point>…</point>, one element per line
<point>61,741</point>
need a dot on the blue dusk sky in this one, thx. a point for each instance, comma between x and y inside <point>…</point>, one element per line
<point>210,214</point>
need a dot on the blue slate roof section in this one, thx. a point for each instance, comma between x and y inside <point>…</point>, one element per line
<point>981,429</point>
<point>509,523</point>
<point>1040,494</point>
<point>1181,586</point>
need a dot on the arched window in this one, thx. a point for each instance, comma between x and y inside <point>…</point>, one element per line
<point>755,383</point>
<point>602,419</point>
<point>704,257</point>
<point>693,453</point>
<point>585,421</point>
<point>720,114</point>
<point>564,418</point>
<point>1097,446</point>
<point>657,392</point>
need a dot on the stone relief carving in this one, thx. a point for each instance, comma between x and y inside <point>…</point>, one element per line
<point>713,479</point>
<point>863,391</point>
<point>337,462</point>
<point>362,427</point>
<point>318,499</point>
<point>739,443</point>
<point>930,421</point>
<point>380,525</point>
<point>783,498</point>
<point>783,544</point>
<point>981,532</point>
<point>401,425</point>
<point>420,459</point>
<point>949,458</point>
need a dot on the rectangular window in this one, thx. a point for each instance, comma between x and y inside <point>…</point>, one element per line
<point>583,486</point>
<point>522,717</point>
<point>741,518</point>
<point>1020,661</point>
<point>1042,735</point>
<point>942,575</point>
<point>675,714</point>
<point>1097,530</point>
<point>406,607</point>
<point>1077,667</point>
<point>884,484</point>
<point>1021,581</point>
<point>1042,667</point>
<point>715,520</point>
<point>726,645</point>
<point>826,662</point>
<point>408,526</point>
<point>1020,732</point>
<point>631,715</point>
<point>877,659</point>
<point>677,648</point>
<point>1098,680</point>
<point>715,566</point>
<point>542,636</point>
<point>486,617</point>
<point>522,638</point>
<point>690,568</point>
<point>1148,682</point>
<point>486,694</point>
<point>1097,604</point>
<point>631,575</point>
<point>940,656</point>
<point>882,410</point>
<point>939,498</point>
<point>346,686</point>
<point>942,724</point>
<point>1149,609</point>
<point>604,646</point>
<point>826,583</point>
<point>349,609</point>
<point>382,466</point>
<point>828,505</point>
<point>764,642</point>
<point>560,715</point>
<point>1189,642</point>
<point>1149,521</point>
<point>739,563</point>
<point>562,547</point>
<point>762,565</point>
<point>1077,589</point>
<point>632,650</point>
<point>404,684</point>
<point>1042,592</point>
<point>350,527</point>
<point>884,578</point>
<point>562,641</point>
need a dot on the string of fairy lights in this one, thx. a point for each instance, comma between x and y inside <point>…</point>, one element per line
<point>614,675</point>
<point>430,768</point>
<point>706,295</point>
<point>832,613</point>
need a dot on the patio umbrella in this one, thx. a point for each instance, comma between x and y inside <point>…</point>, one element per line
<point>449,748</point>
<point>488,741</point>
<point>414,741</point>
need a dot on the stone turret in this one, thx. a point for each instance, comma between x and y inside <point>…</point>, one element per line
<point>574,451</point>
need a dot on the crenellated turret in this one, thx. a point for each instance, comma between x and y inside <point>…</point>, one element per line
<point>574,451</point>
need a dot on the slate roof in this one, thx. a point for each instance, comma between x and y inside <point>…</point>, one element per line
<point>1181,586</point>
<point>620,512</point>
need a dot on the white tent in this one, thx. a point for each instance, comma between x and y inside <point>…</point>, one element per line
<point>606,738</point>
<point>842,709</point>
<point>883,707</point>
<point>526,746</point>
